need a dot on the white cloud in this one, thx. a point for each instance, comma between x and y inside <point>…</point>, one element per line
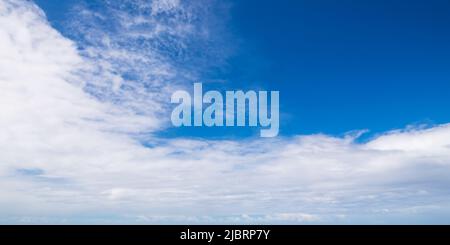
<point>161,6</point>
<point>141,53</point>
<point>64,156</point>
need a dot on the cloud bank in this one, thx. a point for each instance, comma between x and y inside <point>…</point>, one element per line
<point>70,112</point>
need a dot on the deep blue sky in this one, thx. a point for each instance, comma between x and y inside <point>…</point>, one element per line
<point>339,65</point>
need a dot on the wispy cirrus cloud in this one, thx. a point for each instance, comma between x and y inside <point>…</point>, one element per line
<point>67,108</point>
<point>139,51</point>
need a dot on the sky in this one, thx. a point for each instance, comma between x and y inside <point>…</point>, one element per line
<point>85,112</point>
<point>375,65</point>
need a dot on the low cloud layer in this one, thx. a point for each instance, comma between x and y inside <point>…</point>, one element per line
<point>69,152</point>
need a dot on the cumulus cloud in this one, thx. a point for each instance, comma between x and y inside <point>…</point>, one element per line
<point>69,112</point>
